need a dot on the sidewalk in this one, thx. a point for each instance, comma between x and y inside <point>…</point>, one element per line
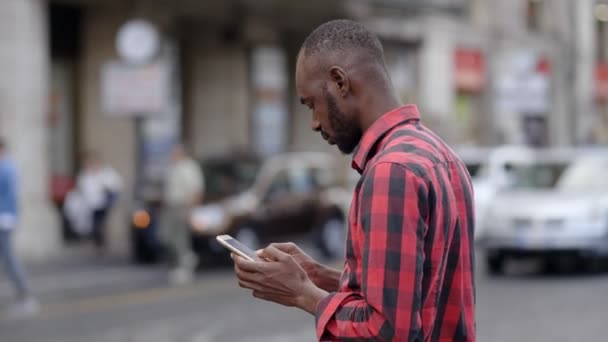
<point>81,273</point>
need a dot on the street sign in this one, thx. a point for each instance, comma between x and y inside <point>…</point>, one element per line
<point>130,90</point>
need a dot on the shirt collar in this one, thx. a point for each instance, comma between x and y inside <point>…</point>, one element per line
<point>378,129</point>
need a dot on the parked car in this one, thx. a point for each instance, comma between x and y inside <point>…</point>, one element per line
<point>477,162</point>
<point>554,207</point>
<point>488,168</point>
<point>260,201</point>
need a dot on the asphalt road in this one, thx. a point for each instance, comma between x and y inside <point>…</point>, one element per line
<point>122,303</point>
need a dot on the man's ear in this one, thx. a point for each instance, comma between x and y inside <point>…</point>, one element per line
<point>338,76</point>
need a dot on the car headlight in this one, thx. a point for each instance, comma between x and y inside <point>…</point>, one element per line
<point>587,215</point>
<point>491,217</point>
<point>141,219</point>
<point>208,219</point>
<point>596,214</point>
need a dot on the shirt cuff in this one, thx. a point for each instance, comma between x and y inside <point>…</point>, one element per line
<point>325,311</point>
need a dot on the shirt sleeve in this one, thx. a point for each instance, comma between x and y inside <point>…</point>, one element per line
<point>113,180</point>
<point>87,191</point>
<point>387,307</point>
<point>195,177</point>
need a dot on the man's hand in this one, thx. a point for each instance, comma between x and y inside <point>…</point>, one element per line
<point>304,260</point>
<point>280,279</point>
<point>322,276</point>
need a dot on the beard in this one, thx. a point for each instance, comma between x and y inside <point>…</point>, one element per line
<point>347,134</point>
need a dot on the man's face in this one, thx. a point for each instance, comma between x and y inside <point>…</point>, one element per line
<point>330,114</point>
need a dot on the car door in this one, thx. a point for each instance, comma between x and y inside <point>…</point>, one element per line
<point>304,199</point>
<point>275,214</point>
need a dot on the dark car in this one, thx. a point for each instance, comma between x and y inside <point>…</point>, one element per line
<point>257,202</point>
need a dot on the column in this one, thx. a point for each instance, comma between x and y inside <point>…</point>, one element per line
<point>583,75</point>
<point>24,65</point>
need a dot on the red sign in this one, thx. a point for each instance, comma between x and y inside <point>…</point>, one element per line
<point>543,66</point>
<point>60,186</point>
<point>601,82</point>
<point>469,69</point>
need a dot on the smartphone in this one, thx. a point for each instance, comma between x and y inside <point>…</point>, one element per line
<point>238,248</point>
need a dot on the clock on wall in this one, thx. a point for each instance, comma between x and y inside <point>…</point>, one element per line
<point>138,41</point>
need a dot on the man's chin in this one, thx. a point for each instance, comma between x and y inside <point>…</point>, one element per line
<point>346,150</point>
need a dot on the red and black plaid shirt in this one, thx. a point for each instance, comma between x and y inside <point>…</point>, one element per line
<point>408,274</point>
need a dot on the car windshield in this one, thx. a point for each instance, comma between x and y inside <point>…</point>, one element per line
<point>229,177</point>
<point>536,175</point>
<point>587,174</point>
<point>476,170</point>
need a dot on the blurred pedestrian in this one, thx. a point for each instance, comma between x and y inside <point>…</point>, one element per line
<point>408,274</point>
<point>184,186</point>
<point>9,217</point>
<point>98,185</point>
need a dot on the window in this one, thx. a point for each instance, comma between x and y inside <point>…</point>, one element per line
<point>302,181</point>
<point>229,177</point>
<point>535,176</point>
<point>324,178</point>
<point>279,185</point>
<point>587,174</point>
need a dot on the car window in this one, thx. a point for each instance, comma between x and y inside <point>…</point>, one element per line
<point>302,181</point>
<point>225,178</point>
<point>324,177</point>
<point>585,175</point>
<point>475,169</point>
<point>536,175</point>
<point>279,185</point>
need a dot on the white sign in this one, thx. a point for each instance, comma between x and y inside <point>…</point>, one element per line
<point>520,87</point>
<point>128,90</point>
<point>523,95</point>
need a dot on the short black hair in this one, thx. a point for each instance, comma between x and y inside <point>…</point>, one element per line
<point>343,35</point>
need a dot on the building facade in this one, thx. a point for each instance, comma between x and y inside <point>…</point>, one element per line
<point>484,72</point>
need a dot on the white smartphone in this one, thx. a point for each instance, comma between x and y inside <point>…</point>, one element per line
<point>238,248</point>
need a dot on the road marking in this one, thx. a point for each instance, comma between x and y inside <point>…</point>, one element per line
<point>221,283</point>
<point>100,304</point>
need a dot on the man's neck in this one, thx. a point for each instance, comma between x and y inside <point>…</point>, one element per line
<point>377,104</point>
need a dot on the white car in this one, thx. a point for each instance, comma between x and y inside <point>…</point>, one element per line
<point>489,175</point>
<point>553,208</point>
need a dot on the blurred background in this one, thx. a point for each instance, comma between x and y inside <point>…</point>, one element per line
<point>519,88</point>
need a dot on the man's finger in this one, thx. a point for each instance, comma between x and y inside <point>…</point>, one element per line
<point>250,285</point>
<point>246,265</point>
<point>287,247</point>
<point>273,253</point>
<point>245,275</point>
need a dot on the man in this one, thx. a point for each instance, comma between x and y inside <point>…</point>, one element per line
<point>408,274</point>
<point>183,191</point>
<point>9,203</point>
<point>98,185</point>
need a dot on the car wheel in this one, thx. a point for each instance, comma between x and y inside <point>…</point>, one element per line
<point>495,264</point>
<point>248,237</point>
<point>596,264</point>
<point>140,253</point>
<point>332,237</point>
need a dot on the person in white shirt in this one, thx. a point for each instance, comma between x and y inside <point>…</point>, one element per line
<point>98,185</point>
<point>183,190</point>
